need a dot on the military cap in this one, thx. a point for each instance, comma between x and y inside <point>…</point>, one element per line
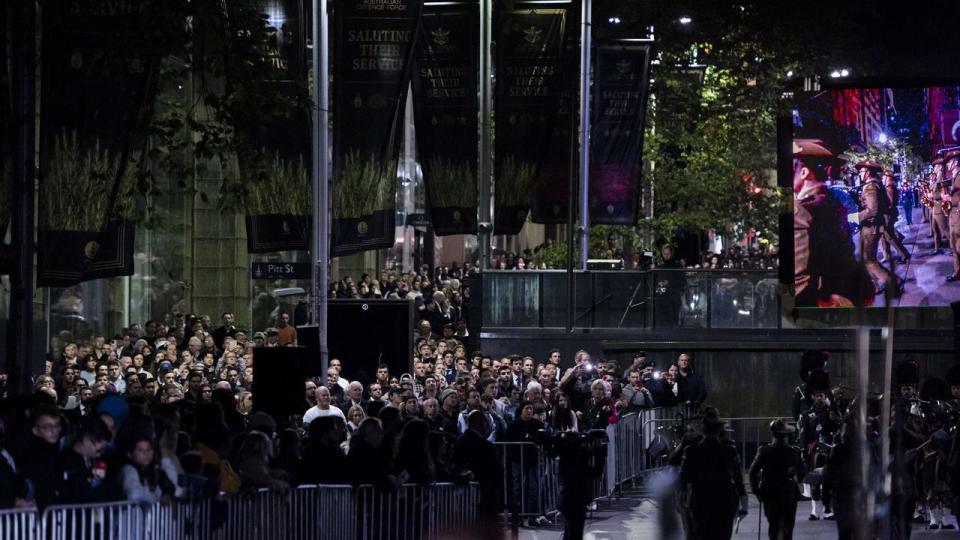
<point>811,148</point>
<point>812,360</point>
<point>937,161</point>
<point>953,375</point>
<point>711,415</point>
<point>817,381</point>
<point>952,154</point>
<point>869,164</point>
<point>906,373</point>
<point>779,427</point>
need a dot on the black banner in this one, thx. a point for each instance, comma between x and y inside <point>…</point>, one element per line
<point>374,47</point>
<point>98,84</point>
<point>271,115</point>
<point>446,109</point>
<point>552,191</point>
<point>621,76</point>
<point>529,46</point>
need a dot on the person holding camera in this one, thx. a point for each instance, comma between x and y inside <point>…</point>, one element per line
<point>577,380</point>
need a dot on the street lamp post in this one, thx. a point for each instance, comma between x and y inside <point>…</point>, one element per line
<point>321,176</point>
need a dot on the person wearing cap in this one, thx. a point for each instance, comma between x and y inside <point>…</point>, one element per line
<point>774,478</point>
<point>639,362</point>
<point>952,193</point>
<point>938,218</point>
<point>874,208</point>
<point>826,272</point>
<point>890,235</point>
<point>711,473</point>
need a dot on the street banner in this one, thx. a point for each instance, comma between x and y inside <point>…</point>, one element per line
<point>446,110</point>
<point>949,128</point>
<point>98,85</point>
<point>621,79</point>
<point>374,48</point>
<point>552,190</point>
<point>6,139</point>
<point>272,123</point>
<point>529,47</point>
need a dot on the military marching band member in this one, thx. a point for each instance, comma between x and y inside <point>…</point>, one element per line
<point>774,477</point>
<point>938,217</point>
<point>826,272</point>
<point>952,194</point>
<point>811,360</point>
<point>818,428</point>
<point>874,210</point>
<point>953,457</point>
<point>890,235</point>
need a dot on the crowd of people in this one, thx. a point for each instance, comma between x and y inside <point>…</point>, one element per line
<point>168,412</point>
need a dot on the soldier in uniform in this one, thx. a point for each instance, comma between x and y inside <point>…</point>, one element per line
<point>952,194</point>
<point>874,209</point>
<point>890,235</point>
<point>938,217</point>
<point>713,477</point>
<point>818,428</point>
<point>774,477</point>
<point>826,273</point>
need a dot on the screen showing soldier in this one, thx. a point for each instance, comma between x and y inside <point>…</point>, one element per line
<point>876,185</point>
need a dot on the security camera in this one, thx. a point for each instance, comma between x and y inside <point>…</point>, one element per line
<point>485,226</point>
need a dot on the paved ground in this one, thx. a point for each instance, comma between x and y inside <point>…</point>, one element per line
<point>925,273</point>
<point>634,517</point>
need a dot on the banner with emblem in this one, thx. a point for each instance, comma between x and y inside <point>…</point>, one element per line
<point>552,190</point>
<point>272,123</point>
<point>374,48</point>
<point>97,94</point>
<point>529,51</point>
<point>446,109</point>
<point>621,77</point>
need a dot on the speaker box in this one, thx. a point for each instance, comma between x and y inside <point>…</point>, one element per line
<point>278,375</point>
<point>364,334</point>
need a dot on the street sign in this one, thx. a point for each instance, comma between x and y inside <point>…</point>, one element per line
<point>280,270</point>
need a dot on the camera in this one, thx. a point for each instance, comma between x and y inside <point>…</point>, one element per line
<point>588,366</point>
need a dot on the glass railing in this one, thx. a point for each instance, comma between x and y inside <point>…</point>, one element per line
<point>648,299</point>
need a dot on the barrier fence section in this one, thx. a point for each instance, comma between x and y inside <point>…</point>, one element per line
<point>334,512</point>
<point>18,524</point>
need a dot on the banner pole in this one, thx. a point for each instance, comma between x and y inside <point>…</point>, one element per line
<point>321,176</point>
<point>585,15</point>
<point>485,219</point>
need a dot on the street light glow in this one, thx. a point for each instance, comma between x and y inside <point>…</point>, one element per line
<point>614,20</point>
<point>882,138</point>
<point>685,20</point>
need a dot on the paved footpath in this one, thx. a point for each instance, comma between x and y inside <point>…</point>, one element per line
<point>632,517</point>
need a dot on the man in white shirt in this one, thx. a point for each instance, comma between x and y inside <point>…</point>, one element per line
<point>322,408</point>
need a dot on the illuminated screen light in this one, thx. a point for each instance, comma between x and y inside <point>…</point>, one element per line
<point>685,20</point>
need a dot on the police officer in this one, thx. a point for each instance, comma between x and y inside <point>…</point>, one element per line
<point>713,477</point>
<point>774,478</point>
<point>890,235</point>
<point>952,193</point>
<point>874,209</point>
<point>818,427</point>
<point>826,273</point>
<point>938,217</point>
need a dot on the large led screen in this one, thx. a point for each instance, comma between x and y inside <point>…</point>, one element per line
<point>876,185</point>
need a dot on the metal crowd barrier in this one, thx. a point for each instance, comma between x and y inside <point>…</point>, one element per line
<point>325,512</point>
<point>18,524</point>
<point>531,485</point>
<point>94,521</point>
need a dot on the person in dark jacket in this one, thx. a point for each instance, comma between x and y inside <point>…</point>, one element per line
<point>475,453</point>
<point>712,474</point>
<point>413,462</point>
<point>83,471</point>
<point>323,460</point>
<point>368,461</point>
<point>599,411</point>
<point>775,475</point>
<point>525,460</point>
<point>693,389</point>
<point>666,389</point>
<point>40,463</point>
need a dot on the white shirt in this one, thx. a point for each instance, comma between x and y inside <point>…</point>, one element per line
<point>345,384</point>
<point>317,412</point>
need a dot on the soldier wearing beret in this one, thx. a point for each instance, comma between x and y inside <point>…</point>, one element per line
<point>826,273</point>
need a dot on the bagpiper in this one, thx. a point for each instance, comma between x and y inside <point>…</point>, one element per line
<point>818,429</point>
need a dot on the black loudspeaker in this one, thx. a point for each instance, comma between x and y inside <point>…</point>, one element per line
<point>364,334</point>
<point>278,375</point>
<point>308,336</point>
